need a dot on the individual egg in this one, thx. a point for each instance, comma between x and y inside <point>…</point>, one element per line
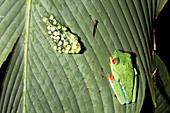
<point>51,17</point>
<point>53,28</point>
<point>48,27</point>
<point>58,27</point>
<point>45,19</point>
<point>55,33</point>
<point>54,22</point>
<point>64,28</point>
<point>55,47</point>
<point>60,43</point>
<point>49,32</point>
<point>74,47</point>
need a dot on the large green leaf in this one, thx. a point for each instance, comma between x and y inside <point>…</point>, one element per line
<point>41,80</point>
<point>11,25</point>
<point>162,86</point>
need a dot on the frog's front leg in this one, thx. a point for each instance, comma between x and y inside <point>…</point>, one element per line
<point>135,87</point>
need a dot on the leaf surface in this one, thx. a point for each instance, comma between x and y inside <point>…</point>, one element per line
<point>41,80</point>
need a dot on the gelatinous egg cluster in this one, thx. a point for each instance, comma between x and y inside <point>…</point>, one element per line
<point>66,42</point>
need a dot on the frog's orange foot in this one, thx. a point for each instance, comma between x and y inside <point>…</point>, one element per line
<point>108,75</point>
<point>111,77</point>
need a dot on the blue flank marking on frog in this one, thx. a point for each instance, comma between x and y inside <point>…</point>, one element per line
<point>122,90</point>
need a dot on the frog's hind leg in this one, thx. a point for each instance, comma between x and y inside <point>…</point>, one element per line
<point>135,71</point>
<point>134,89</point>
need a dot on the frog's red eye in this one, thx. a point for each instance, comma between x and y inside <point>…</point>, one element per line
<point>114,61</point>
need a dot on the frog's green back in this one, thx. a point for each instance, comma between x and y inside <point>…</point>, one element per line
<point>126,72</point>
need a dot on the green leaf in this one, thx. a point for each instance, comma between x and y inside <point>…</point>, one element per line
<point>162,86</point>
<point>39,79</point>
<point>11,25</point>
<point>160,5</point>
<point>11,96</point>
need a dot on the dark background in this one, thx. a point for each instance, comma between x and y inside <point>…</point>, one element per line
<point>162,35</point>
<point>162,29</point>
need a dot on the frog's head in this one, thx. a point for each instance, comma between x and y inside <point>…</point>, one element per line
<point>113,62</point>
<point>118,62</point>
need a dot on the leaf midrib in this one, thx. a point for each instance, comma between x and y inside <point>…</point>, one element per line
<point>27,26</point>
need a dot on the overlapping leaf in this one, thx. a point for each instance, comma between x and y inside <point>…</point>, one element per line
<point>162,86</point>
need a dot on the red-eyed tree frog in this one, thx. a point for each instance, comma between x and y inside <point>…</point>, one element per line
<point>123,77</point>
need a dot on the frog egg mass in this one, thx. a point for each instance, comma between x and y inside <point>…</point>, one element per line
<point>66,42</point>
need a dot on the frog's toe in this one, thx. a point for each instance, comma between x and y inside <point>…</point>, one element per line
<point>135,71</point>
